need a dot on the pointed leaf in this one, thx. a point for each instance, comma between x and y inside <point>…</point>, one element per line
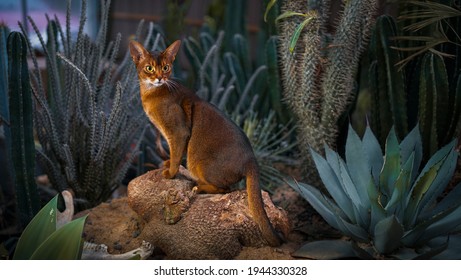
<point>268,8</point>
<point>332,183</point>
<point>412,143</point>
<point>37,231</point>
<point>397,203</point>
<point>377,212</point>
<point>326,250</point>
<point>374,153</point>
<point>64,244</point>
<point>391,167</point>
<point>358,167</point>
<point>297,33</point>
<point>318,201</point>
<point>387,235</point>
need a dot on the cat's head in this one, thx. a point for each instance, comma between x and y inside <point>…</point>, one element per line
<point>154,70</point>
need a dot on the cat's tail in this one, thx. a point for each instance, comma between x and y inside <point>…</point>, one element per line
<point>256,205</point>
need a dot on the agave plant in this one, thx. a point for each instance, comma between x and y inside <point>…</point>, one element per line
<point>384,201</point>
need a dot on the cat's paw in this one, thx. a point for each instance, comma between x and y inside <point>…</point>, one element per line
<point>166,163</point>
<point>167,175</point>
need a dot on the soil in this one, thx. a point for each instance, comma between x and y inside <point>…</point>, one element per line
<point>117,226</point>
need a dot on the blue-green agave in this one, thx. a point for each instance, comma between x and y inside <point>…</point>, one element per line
<point>387,201</point>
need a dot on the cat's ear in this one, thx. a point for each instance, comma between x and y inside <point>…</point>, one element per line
<point>137,51</point>
<point>172,50</point>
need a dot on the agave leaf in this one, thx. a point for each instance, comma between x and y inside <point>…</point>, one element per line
<point>354,231</point>
<point>319,202</point>
<point>412,143</point>
<point>391,167</point>
<point>448,202</point>
<point>396,204</point>
<point>441,181</point>
<point>377,212</point>
<point>360,211</point>
<point>453,252</point>
<point>326,250</point>
<point>358,166</point>
<point>387,235</point>
<point>443,226</point>
<point>332,182</point>
<point>373,151</point>
<point>429,176</point>
<point>37,231</point>
<point>361,253</point>
<point>64,244</point>
<point>432,252</point>
<point>415,235</point>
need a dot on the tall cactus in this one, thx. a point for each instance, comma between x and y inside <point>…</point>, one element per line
<point>426,89</point>
<point>387,84</point>
<point>22,144</point>
<point>318,76</point>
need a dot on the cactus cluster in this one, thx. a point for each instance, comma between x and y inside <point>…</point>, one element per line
<point>88,116</point>
<point>426,89</point>
<point>318,74</point>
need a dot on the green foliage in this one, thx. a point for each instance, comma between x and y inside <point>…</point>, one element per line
<point>384,200</point>
<point>387,85</point>
<point>318,69</point>
<point>88,117</point>
<point>21,126</point>
<point>406,89</point>
<point>41,240</point>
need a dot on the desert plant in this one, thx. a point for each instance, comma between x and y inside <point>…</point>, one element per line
<point>423,86</point>
<point>89,119</point>
<point>21,129</point>
<point>43,240</point>
<point>318,69</point>
<point>385,201</point>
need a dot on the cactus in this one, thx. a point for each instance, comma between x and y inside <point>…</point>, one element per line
<point>22,144</point>
<point>387,84</point>
<point>89,118</point>
<point>425,88</point>
<point>318,74</point>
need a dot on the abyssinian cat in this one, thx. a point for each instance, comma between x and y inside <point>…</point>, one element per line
<point>218,152</point>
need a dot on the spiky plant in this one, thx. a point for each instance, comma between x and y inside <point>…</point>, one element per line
<point>318,69</point>
<point>386,202</point>
<point>88,117</point>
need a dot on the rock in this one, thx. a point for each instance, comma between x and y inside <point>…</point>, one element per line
<point>185,225</point>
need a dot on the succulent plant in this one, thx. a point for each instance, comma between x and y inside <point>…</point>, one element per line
<point>318,69</point>
<point>88,116</point>
<point>386,202</point>
<point>42,239</point>
<point>22,147</point>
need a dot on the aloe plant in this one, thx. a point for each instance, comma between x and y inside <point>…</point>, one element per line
<point>385,201</point>
<point>42,240</point>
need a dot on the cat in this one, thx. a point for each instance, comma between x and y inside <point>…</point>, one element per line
<point>218,153</point>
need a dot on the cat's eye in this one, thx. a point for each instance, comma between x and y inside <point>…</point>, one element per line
<point>149,68</point>
<point>166,68</point>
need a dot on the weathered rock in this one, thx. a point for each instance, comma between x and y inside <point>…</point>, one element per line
<point>186,225</point>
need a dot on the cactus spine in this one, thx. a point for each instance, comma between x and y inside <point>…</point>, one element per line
<point>318,77</point>
<point>22,144</point>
